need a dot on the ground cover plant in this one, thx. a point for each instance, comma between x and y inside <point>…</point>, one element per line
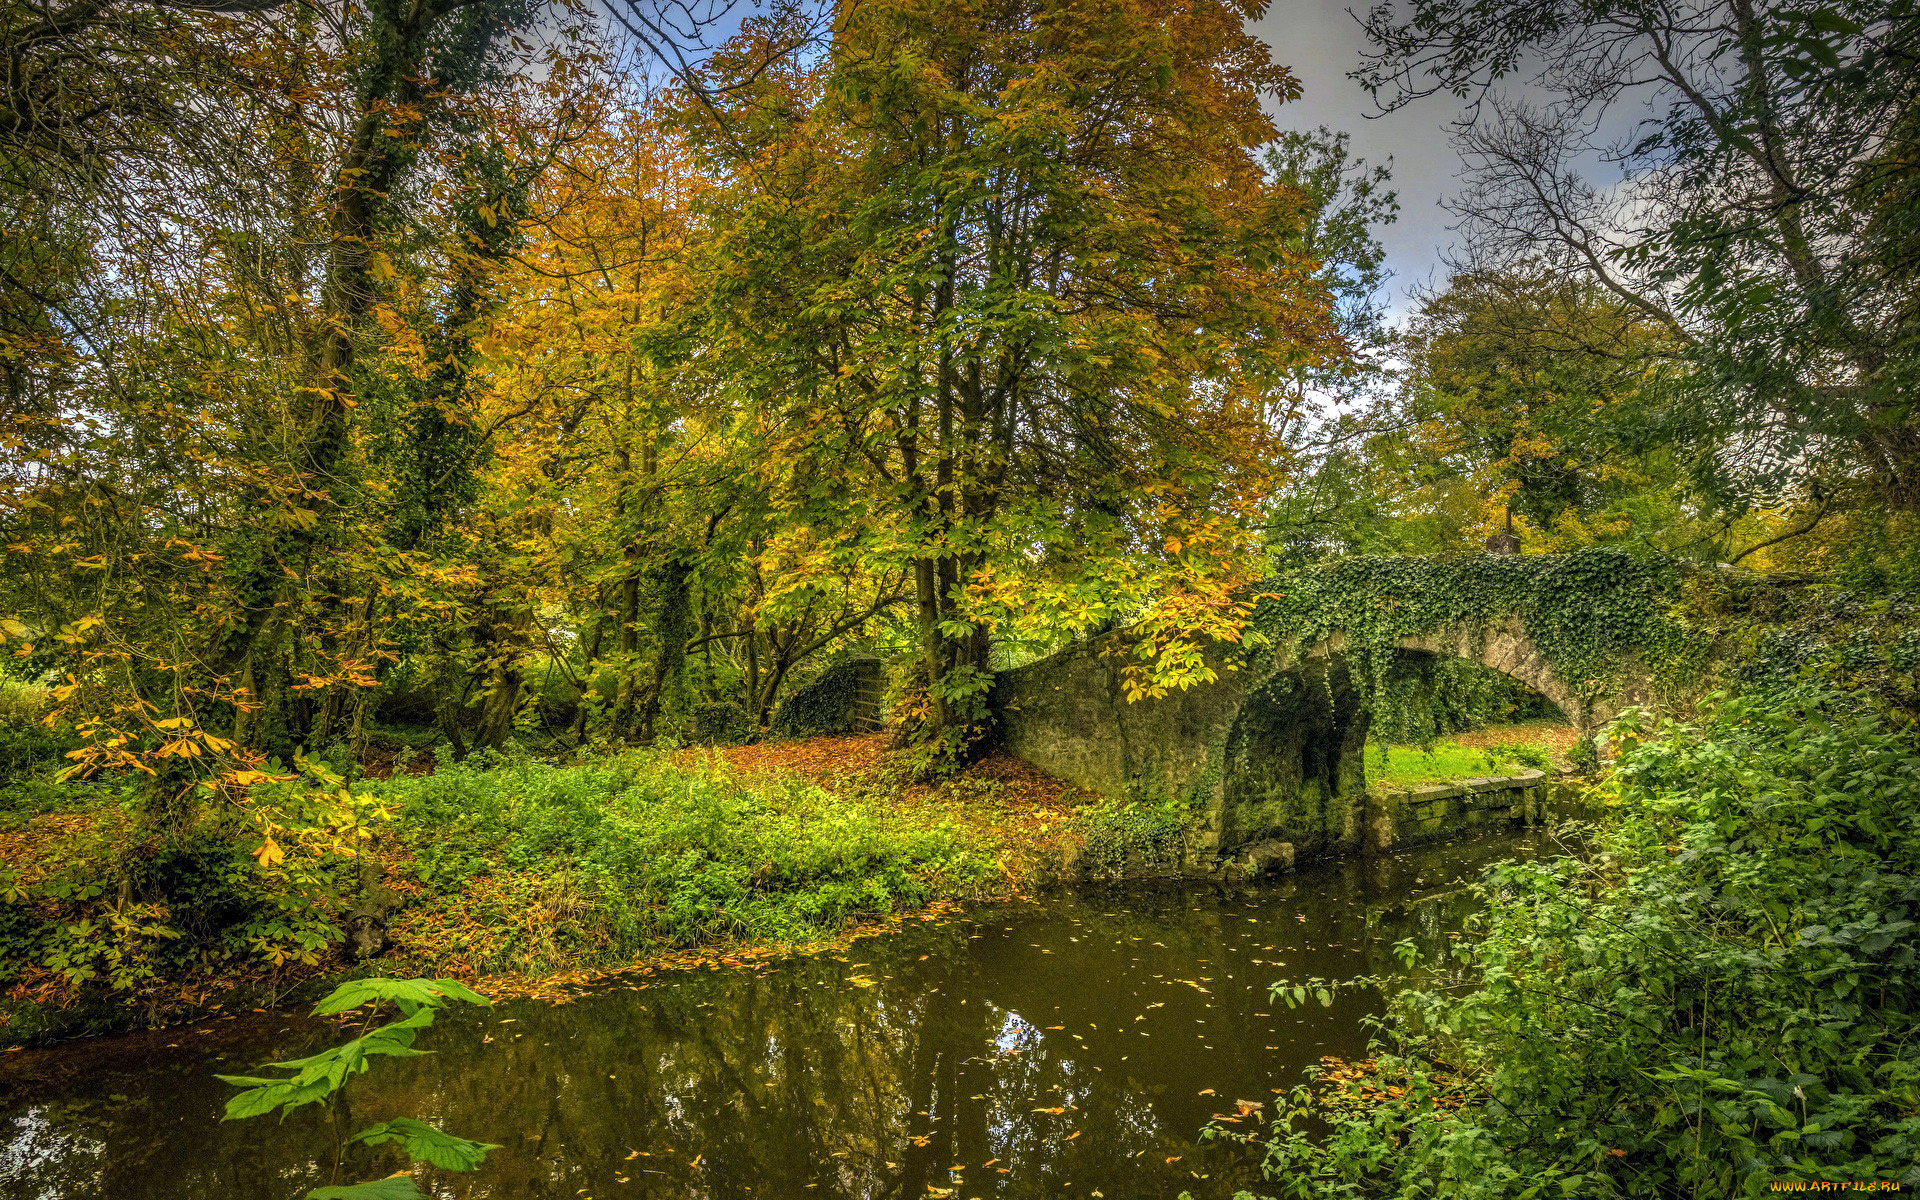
<point>1390,765</point>
<point>528,866</point>
<point>499,865</point>
<point>1719,996</point>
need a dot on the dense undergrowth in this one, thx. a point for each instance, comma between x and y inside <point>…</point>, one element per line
<point>529,866</point>
<point>1722,995</point>
<point>495,865</point>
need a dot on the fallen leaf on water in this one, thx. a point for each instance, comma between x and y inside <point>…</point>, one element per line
<point>1207,1092</point>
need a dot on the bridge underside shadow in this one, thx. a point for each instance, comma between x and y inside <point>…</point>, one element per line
<point>1293,763</point>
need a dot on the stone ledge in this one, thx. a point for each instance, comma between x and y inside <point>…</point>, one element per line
<point>1460,787</point>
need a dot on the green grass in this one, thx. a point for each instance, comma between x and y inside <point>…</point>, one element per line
<point>1401,766</point>
<point>533,867</point>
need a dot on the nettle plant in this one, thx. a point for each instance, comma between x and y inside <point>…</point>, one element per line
<point>321,1077</point>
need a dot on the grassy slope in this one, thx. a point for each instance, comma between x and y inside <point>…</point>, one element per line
<point>529,869</point>
<point>1495,751</point>
<point>516,872</point>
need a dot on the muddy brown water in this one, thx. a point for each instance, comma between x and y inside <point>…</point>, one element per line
<point>1071,1047</point>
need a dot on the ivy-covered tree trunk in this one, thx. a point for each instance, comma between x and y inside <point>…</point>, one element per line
<point>667,693</point>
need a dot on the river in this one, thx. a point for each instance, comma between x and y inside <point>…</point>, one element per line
<point>1069,1047</point>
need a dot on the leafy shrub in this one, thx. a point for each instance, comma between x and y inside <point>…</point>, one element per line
<point>1428,696</point>
<point>630,853</point>
<point>23,704</point>
<point>27,747</point>
<point>722,723</point>
<point>1721,996</point>
<point>1529,754</point>
<point>127,918</point>
<point>1121,838</point>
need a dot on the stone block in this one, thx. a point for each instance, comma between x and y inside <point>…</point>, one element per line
<point>1270,857</point>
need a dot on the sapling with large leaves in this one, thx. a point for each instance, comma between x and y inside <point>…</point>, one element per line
<point>322,1076</point>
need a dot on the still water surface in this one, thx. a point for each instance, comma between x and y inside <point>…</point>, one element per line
<point>1072,1047</point>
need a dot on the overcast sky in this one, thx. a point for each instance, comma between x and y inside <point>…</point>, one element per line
<point>1320,41</point>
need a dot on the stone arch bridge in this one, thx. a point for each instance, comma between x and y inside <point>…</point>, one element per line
<point>1270,753</point>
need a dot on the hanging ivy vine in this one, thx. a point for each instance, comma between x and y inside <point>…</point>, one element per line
<point>1593,614</point>
<point>1598,616</point>
<point>837,701</point>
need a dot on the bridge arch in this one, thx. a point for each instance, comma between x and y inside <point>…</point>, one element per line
<point>1273,749</point>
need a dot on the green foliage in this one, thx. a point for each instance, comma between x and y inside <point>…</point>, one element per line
<point>630,853</point>
<point>721,723</point>
<point>28,748</point>
<point>1124,837</point>
<point>1584,758</point>
<point>1592,613</point>
<point>1529,754</point>
<point>423,1143</point>
<point>1400,765</point>
<point>103,916</point>
<point>23,704</point>
<point>320,1077</point>
<point>1779,630</point>
<point>1720,996</point>
<point>1433,695</point>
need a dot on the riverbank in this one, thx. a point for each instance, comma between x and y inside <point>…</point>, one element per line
<point>525,877</point>
<point>1056,1047</point>
<point>518,876</point>
<point>1716,1000</point>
